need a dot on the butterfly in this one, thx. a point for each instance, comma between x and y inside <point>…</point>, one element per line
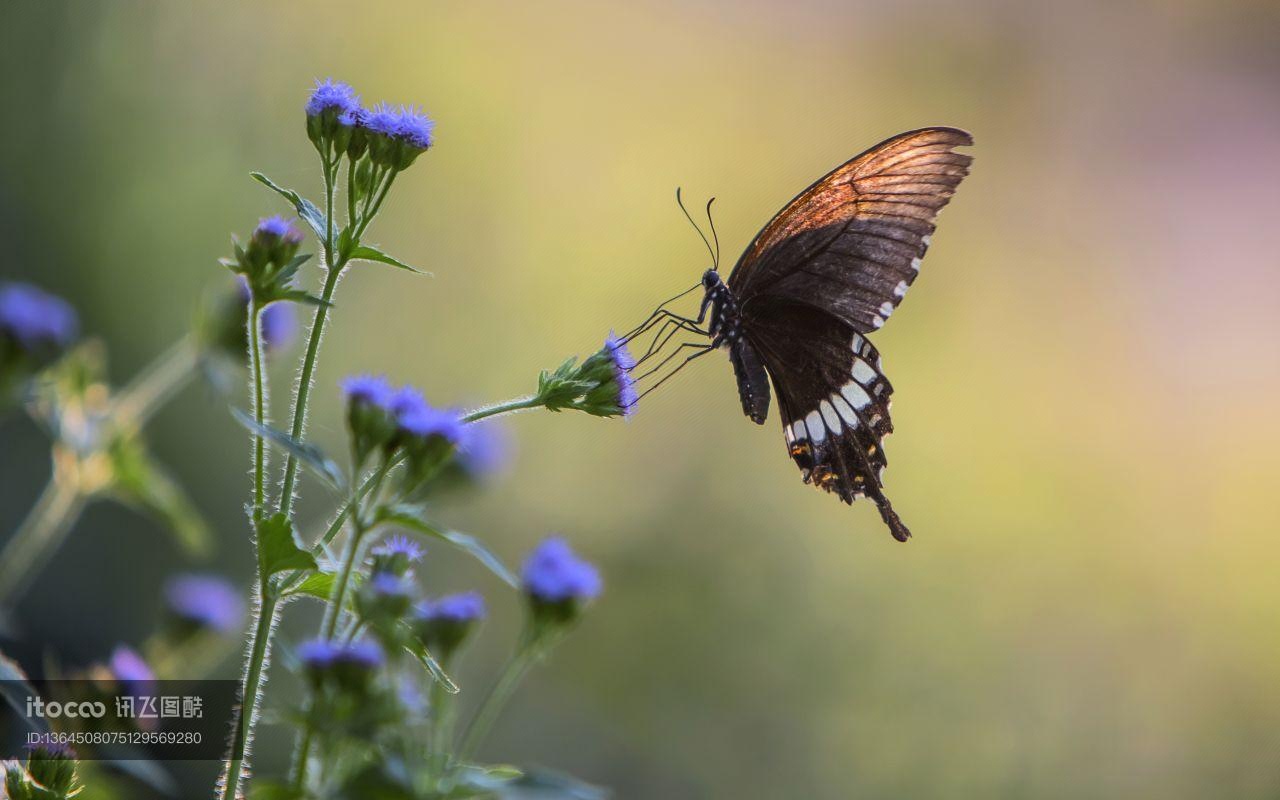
<point>828,270</point>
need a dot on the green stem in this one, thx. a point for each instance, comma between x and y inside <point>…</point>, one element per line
<point>514,671</point>
<point>38,536</point>
<point>255,671</point>
<point>334,610</point>
<point>259,411</point>
<point>303,394</point>
<point>156,383</point>
<point>377,204</point>
<point>441,733</point>
<point>519,404</point>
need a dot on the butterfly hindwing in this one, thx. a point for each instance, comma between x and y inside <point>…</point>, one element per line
<point>852,243</point>
<point>833,399</point>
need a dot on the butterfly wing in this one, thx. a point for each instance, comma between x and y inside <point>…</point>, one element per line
<point>851,243</point>
<point>833,399</point>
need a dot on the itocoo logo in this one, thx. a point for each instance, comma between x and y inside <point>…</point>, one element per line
<point>37,707</point>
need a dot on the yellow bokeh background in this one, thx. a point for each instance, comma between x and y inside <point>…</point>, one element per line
<point>1086,372</point>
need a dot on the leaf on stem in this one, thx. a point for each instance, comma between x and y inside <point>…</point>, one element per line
<point>279,548</point>
<point>309,455</point>
<point>428,661</point>
<point>320,586</point>
<point>307,210</point>
<point>410,517</point>
<point>369,253</point>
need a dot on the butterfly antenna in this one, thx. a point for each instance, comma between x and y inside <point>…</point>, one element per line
<point>703,236</point>
<point>714,236</point>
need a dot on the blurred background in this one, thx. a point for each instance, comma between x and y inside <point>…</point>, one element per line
<point>1086,374</point>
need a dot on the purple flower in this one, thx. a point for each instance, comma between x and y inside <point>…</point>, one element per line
<point>131,670</point>
<point>458,608</point>
<point>33,318</point>
<point>431,422</point>
<point>362,653</point>
<point>485,449</point>
<point>404,124</point>
<point>332,95</point>
<point>623,363</point>
<point>406,401</point>
<point>553,573</point>
<point>399,546</point>
<point>318,654</point>
<point>279,326</point>
<point>278,227</point>
<point>205,601</point>
<point>372,390</point>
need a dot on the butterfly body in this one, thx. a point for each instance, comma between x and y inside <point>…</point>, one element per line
<point>828,270</point>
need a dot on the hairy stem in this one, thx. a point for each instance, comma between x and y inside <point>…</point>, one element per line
<point>259,411</point>
<point>251,689</point>
<point>514,671</point>
<point>39,535</point>
<point>497,409</point>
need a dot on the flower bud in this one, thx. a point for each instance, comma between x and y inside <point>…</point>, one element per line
<point>397,136</point>
<point>558,584</point>
<point>384,598</point>
<point>427,435</point>
<point>331,111</point>
<point>395,555</point>
<point>35,328</point>
<point>198,604</point>
<point>53,768</point>
<point>131,671</point>
<point>443,624</point>
<point>370,420</point>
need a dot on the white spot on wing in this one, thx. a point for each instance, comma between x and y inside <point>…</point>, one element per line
<point>928,240</point>
<point>862,371</point>
<point>830,416</point>
<point>845,410</point>
<point>886,308</point>
<point>915,264</point>
<point>877,323</point>
<point>856,395</point>
<point>857,343</point>
<point>798,428</point>
<point>814,423</point>
<point>901,289</point>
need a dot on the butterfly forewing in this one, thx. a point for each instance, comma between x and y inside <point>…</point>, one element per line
<point>852,243</point>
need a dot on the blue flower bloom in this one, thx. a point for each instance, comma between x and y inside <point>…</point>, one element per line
<point>332,95</point>
<point>401,546</point>
<point>205,601</point>
<point>415,128</point>
<point>553,573</point>
<point>406,401</point>
<point>457,608</point>
<point>318,654</point>
<point>362,653</point>
<point>485,449</point>
<point>434,422</point>
<point>372,390</point>
<point>278,227</point>
<point>279,326</point>
<point>623,363</point>
<point>131,670</point>
<point>33,318</point>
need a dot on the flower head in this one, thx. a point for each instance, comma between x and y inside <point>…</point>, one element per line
<point>623,363</point>
<point>386,596</point>
<point>485,449</point>
<point>130,669</point>
<point>331,95</point>
<point>427,423</point>
<point>363,653</point>
<point>205,602</point>
<point>399,547</point>
<point>399,135</point>
<point>406,401</point>
<point>318,654</point>
<point>463,607</point>
<point>553,573</point>
<point>371,390</point>
<point>33,319</point>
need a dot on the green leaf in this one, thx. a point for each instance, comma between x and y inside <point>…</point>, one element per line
<point>410,517</point>
<point>309,455</point>
<point>279,548</point>
<point>140,482</point>
<point>299,296</point>
<point>307,210</point>
<point>368,253</point>
<point>16,688</point>
<point>320,586</point>
<point>476,780</point>
<point>428,661</point>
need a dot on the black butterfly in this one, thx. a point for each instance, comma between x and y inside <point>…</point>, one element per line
<point>826,271</point>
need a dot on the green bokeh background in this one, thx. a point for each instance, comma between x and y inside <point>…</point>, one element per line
<point>1086,374</point>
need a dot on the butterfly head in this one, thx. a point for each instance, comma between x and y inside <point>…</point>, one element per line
<point>710,279</point>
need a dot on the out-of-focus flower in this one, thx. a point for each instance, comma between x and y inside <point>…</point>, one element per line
<point>131,670</point>
<point>555,575</point>
<point>224,327</point>
<point>370,419</point>
<point>51,767</point>
<point>443,624</point>
<point>32,319</point>
<point>485,449</point>
<point>279,326</point>
<point>205,603</point>
<point>385,598</point>
<point>428,422</point>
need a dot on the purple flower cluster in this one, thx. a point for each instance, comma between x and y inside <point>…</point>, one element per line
<point>33,318</point>
<point>553,573</point>
<point>206,602</point>
<point>320,655</point>
<point>406,405</point>
<point>400,547</point>
<point>404,123</point>
<point>623,363</point>
<point>465,607</point>
<point>331,95</point>
<point>278,227</point>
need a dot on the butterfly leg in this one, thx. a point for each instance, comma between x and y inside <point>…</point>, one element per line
<point>666,333</point>
<point>706,348</point>
<point>664,316</point>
